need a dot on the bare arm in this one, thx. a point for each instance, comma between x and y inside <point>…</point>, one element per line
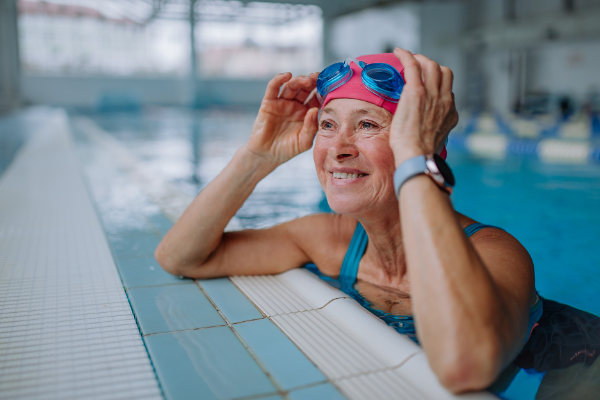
<point>471,299</point>
<point>284,127</point>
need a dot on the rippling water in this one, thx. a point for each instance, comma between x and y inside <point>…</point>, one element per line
<point>190,149</point>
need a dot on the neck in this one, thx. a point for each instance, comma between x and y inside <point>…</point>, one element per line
<point>384,263</point>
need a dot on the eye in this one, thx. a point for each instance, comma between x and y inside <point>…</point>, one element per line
<point>326,125</point>
<point>368,125</point>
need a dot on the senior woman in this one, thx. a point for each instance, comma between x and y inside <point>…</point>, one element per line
<point>471,296</point>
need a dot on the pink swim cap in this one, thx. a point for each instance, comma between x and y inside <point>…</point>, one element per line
<point>355,89</point>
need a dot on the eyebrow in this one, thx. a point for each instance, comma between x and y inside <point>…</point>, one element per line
<point>359,112</point>
<point>328,110</point>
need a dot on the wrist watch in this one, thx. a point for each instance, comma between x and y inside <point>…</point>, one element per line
<point>431,165</point>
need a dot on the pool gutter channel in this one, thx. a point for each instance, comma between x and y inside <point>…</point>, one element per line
<point>54,211</point>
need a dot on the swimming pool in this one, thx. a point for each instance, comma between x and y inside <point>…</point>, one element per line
<point>549,208</point>
<point>554,210</point>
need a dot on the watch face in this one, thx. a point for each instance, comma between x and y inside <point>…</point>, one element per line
<point>444,169</point>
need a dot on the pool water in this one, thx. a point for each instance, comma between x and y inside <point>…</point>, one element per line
<point>554,210</point>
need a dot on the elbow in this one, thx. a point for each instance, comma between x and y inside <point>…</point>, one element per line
<point>473,369</point>
<point>166,262</point>
<point>175,266</point>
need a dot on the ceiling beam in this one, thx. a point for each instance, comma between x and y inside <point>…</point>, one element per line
<point>336,8</point>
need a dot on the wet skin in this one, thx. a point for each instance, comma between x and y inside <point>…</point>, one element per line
<point>388,299</point>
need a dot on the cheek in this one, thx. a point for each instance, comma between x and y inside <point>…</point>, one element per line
<point>387,160</point>
<point>380,155</point>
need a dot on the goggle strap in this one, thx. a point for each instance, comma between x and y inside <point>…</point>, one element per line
<point>313,93</point>
<point>361,64</point>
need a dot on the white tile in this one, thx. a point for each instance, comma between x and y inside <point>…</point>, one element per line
<point>292,291</point>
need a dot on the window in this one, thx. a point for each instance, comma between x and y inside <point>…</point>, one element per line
<point>152,38</point>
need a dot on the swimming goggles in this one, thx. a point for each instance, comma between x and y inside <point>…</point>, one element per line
<point>380,79</point>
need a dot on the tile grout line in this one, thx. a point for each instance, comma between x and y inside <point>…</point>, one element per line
<point>270,318</point>
<point>203,327</point>
<point>183,282</point>
<point>230,325</point>
<point>328,380</point>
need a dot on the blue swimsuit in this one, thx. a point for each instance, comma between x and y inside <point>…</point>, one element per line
<point>404,324</point>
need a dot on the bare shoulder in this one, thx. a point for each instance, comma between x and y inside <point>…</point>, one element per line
<point>324,238</point>
<point>493,237</point>
<point>505,257</point>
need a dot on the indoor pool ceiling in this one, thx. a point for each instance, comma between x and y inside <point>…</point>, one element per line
<point>179,8</point>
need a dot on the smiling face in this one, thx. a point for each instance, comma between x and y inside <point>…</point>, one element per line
<point>353,158</point>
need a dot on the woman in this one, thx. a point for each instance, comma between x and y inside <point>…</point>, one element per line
<point>471,297</point>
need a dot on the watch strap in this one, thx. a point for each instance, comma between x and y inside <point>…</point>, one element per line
<point>408,169</point>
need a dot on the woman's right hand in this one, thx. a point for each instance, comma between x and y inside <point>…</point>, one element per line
<point>285,125</point>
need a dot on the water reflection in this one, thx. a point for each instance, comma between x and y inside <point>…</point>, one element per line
<point>392,306</point>
<point>189,149</point>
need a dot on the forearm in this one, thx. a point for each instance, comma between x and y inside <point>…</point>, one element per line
<point>456,302</point>
<point>469,305</point>
<point>198,232</point>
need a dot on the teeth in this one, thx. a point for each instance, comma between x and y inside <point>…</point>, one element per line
<point>343,175</point>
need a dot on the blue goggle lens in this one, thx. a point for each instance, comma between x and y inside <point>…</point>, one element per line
<point>333,77</point>
<point>383,80</point>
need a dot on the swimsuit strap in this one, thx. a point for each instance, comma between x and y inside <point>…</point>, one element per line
<point>476,227</point>
<point>358,245</point>
<point>356,250</point>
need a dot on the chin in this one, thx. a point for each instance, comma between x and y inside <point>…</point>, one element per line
<point>346,204</point>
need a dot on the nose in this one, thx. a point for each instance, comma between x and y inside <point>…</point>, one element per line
<point>343,147</point>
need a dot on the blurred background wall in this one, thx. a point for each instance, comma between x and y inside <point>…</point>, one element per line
<point>9,57</point>
<point>526,56</point>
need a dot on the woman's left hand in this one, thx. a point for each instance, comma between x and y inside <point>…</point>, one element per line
<point>426,112</point>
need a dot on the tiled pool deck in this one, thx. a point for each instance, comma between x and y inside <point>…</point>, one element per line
<point>86,312</point>
<point>66,327</point>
